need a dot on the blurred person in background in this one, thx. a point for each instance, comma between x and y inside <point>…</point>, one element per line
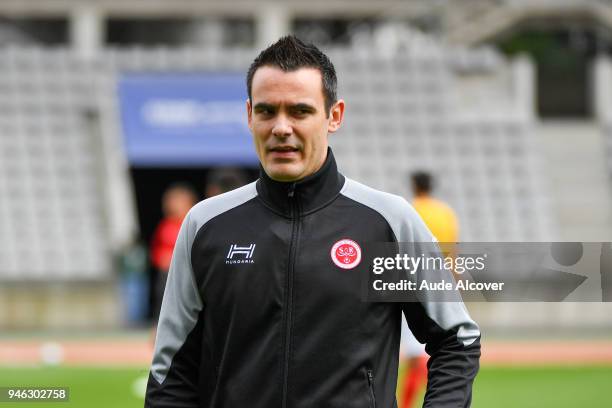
<point>219,181</point>
<point>438,216</point>
<point>176,202</point>
<point>263,306</point>
<point>442,222</point>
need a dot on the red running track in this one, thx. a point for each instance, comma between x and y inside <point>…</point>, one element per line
<point>138,352</point>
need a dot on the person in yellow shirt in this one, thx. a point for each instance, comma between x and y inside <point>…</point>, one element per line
<point>442,222</point>
<point>439,217</point>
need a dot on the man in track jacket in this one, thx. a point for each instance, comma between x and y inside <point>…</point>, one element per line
<point>263,305</point>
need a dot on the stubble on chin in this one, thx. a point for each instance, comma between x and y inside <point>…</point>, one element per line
<point>283,173</point>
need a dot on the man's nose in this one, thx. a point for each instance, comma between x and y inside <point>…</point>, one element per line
<point>282,127</point>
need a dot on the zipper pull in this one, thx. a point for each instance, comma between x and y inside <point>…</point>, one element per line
<point>371,386</point>
<point>291,191</point>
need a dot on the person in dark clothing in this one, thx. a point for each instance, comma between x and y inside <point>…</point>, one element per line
<point>263,306</point>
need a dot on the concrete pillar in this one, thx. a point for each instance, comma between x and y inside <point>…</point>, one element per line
<point>602,86</point>
<point>86,30</point>
<point>524,77</point>
<point>273,20</point>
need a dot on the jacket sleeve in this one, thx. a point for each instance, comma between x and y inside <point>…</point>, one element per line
<point>174,375</point>
<point>454,354</point>
<point>452,338</point>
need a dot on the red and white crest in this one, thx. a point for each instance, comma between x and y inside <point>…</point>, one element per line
<point>346,254</point>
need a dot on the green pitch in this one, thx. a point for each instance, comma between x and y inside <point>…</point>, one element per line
<point>500,387</point>
<point>90,387</point>
<point>542,387</point>
<point>521,387</point>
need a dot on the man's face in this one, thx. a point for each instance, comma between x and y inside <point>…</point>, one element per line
<point>289,123</point>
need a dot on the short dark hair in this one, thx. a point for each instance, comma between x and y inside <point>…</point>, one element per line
<point>422,182</point>
<point>290,54</point>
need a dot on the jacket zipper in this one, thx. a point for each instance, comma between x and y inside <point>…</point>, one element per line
<point>289,289</point>
<point>371,387</point>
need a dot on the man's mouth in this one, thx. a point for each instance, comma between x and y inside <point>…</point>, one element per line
<point>284,149</point>
<point>284,152</point>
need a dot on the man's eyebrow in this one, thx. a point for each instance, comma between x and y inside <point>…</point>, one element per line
<point>298,106</point>
<point>263,105</point>
<point>303,106</point>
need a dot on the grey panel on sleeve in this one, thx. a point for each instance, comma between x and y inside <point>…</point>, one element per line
<point>408,226</point>
<point>182,303</point>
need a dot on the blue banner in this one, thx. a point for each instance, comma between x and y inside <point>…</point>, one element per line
<point>185,119</point>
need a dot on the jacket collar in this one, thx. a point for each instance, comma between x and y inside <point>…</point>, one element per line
<point>309,193</point>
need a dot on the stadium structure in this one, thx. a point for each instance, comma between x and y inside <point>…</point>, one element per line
<point>429,85</point>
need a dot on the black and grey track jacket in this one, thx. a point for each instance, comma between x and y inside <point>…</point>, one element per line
<point>256,314</point>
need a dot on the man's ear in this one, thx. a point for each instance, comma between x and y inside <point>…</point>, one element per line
<point>336,115</point>
<point>249,114</point>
